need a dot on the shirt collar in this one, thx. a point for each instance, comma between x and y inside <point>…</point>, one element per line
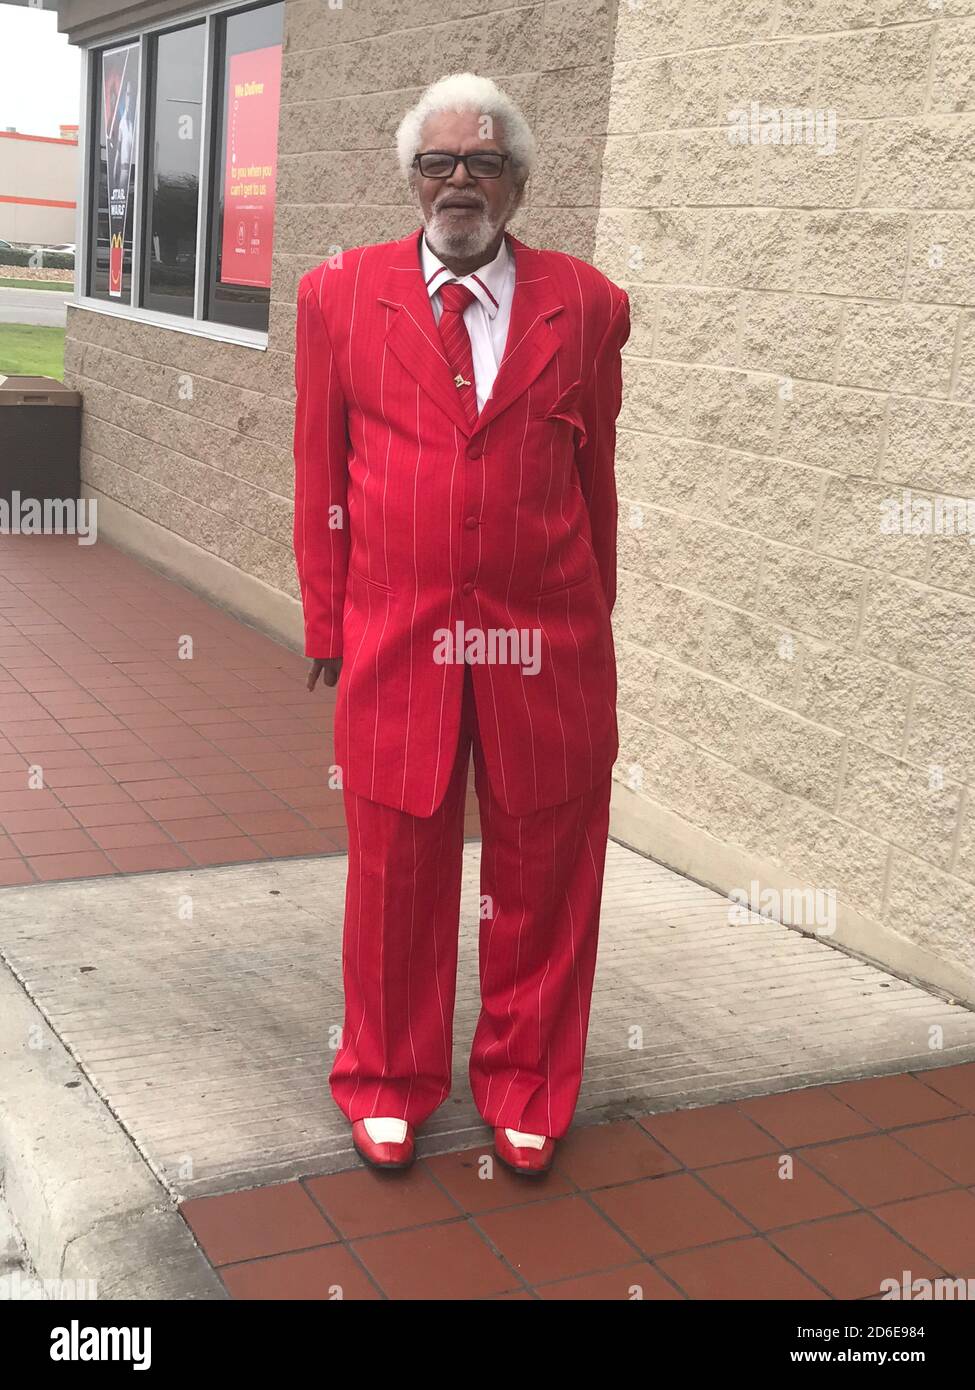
<point>487,282</point>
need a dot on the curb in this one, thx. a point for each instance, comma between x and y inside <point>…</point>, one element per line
<point>84,1199</point>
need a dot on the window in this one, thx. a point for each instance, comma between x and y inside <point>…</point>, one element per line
<point>182,165</point>
<point>172,201</point>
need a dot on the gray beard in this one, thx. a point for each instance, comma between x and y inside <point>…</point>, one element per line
<point>444,241</point>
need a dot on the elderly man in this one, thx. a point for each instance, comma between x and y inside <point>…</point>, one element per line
<point>455,534</point>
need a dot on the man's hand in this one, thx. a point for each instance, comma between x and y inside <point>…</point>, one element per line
<point>328,669</point>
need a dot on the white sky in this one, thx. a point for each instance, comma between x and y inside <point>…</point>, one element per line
<point>39,72</point>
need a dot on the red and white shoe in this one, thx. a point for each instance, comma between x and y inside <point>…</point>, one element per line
<point>528,1154</point>
<point>383,1142</point>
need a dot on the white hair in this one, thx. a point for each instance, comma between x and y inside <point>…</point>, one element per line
<point>465,91</point>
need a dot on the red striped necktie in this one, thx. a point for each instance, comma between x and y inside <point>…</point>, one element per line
<point>454,299</point>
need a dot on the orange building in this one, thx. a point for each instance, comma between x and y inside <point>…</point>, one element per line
<point>38,186</point>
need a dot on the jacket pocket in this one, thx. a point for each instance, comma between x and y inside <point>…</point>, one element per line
<point>565,584</point>
<point>373,583</point>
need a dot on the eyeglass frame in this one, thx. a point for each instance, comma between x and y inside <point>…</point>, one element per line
<point>462,159</point>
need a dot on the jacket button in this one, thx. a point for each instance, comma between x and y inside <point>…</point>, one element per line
<point>475,450</point>
<point>468,588</point>
<point>471,522</point>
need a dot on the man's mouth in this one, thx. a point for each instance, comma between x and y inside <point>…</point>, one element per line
<point>458,205</point>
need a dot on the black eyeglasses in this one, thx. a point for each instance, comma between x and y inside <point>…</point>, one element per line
<point>437,164</point>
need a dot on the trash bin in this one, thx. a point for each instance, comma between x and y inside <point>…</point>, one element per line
<point>40,438</point>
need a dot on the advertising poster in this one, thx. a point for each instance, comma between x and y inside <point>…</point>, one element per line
<point>120,97</point>
<point>254,80</point>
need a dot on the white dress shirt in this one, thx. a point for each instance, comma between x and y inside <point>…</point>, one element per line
<point>486,318</point>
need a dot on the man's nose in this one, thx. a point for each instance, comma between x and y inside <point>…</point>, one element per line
<point>460,178</point>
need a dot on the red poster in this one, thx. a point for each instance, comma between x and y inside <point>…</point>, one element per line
<point>120,98</point>
<point>251,166</point>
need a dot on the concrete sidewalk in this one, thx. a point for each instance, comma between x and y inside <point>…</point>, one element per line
<point>165,1035</point>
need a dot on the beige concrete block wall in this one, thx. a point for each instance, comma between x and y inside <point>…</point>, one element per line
<point>796,684</point>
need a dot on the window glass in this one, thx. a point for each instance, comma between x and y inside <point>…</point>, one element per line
<point>172,189</point>
<point>244,163</point>
<point>116,103</point>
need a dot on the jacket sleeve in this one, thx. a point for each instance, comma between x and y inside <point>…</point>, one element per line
<point>600,401</point>
<point>321,525</point>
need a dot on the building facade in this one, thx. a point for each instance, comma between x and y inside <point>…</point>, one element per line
<point>38,181</point>
<point>785,192</point>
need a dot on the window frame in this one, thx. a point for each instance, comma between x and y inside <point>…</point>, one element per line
<point>89,151</point>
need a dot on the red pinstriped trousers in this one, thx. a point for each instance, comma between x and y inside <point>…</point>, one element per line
<point>541,885</point>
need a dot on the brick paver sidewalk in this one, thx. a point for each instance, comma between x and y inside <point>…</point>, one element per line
<point>149,760</point>
<point>692,1204</point>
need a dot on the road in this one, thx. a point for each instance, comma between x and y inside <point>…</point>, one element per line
<point>42,307</point>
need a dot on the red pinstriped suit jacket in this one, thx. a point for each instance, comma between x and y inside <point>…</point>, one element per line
<point>408,520</point>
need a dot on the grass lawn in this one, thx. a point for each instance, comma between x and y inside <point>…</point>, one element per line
<point>10,283</point>
<point>29,351</point>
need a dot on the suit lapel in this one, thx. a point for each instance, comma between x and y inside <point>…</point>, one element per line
<point>414,338</point>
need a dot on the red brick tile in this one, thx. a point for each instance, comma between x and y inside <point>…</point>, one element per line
<point>140,772</point>
<point>128,836</point>
<point>93,724</point>
<point>711,1134</point>
<point>209,766</point>
<point>738,1270</point>
<point>111,794</point>
<point>62,757</point>
<point>149,858</point>
<point>760,1190</point>
<point>281,777</point>
<point>292,842</point>
<point>805,1117</point>
<point>27,801</point>
<point>326,1273</point>
<point>850,1255</point>
<point>200,828</point>
<point>876,1169</point>
<point>259,1221</point>
<point>224,782</point>
<point>478,1182</point>
<point>941,1225</point>
<point>555,1239</point>
<point>35,842</point>
<point>948,1146</point>
<point>957,1083</point>
<point>635,1282</point>
<point>115,813</point>
<point>603,1155</point>
<point>179,808</point>
<point>364,1203</point>
<point>239,802</point>
<point>435,1262</point>
<point>49,867</point>
<point>894,1100</point>
<point>330,818</point>
<point>22,822</point>
<point>669,1213</point>
<point>160,789</point>
<point>225,851</point>
<point>320,797</point>
<point>14,872</point>
<point>8,850</point>
<point>270,822</point>
<point>68,777</point>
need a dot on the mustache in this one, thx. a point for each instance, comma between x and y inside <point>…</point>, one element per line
<point>479,203</point>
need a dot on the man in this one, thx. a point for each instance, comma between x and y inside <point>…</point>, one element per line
<point>455,534</point>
